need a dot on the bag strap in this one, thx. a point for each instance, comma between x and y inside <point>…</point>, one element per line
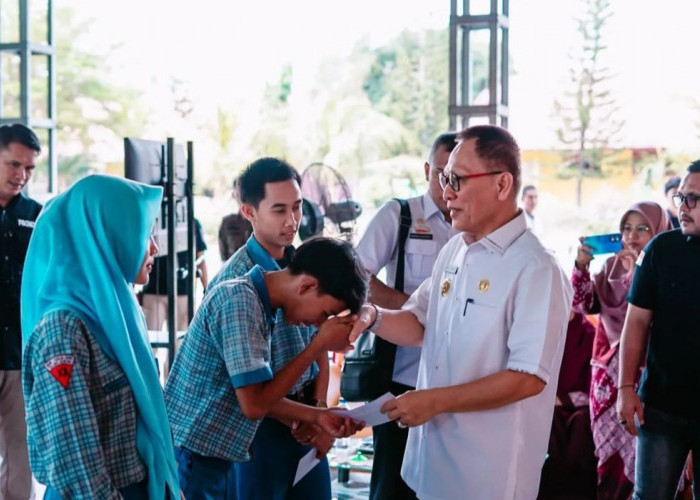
<point>404,226</point>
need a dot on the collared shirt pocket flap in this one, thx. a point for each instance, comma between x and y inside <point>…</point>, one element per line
<point>422,247</point>
<point>115,384</point>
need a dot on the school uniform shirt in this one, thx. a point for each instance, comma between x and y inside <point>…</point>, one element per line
<point>378,249</point>
<point>501,303</point>
<point>81,414</point>
<point>227,346</point>
<point>287,341</point>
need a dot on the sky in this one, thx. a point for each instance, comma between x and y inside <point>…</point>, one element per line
<point>228,50</point>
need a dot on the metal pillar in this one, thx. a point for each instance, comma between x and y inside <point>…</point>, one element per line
<point>27,49</point>
<point>468,103</point>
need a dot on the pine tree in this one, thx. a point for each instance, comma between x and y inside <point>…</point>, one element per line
<point>588,111</point>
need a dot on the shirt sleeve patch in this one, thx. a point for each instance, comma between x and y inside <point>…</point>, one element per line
<point>61,368</point>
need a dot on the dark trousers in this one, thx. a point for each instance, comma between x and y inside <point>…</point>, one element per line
<point>663,445</point>
<point>204,478</point>
<point>270,473</point>
<point>389,446</point>
<point>569,472</point>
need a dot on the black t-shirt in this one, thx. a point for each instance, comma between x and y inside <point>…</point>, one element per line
<point>158,279</point>
<point>666,282</point>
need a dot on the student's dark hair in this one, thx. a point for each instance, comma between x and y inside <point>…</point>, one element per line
<point>694,168</point>
<point>20,134</point>
<point>447,140</point>
<point>497,148</point>
<point>336,266</point>
<point>252,180</point>
<point>527,188</point>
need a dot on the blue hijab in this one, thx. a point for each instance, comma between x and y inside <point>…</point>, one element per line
<point>86,249</point>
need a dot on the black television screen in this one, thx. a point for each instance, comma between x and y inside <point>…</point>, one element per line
<point>144,161</point>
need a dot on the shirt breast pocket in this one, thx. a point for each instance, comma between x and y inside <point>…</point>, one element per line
<point>420,256</point>
<point>475,326</point>
<point>117,398</point>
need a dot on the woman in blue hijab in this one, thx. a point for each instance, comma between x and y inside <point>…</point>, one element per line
<point>97,426</point>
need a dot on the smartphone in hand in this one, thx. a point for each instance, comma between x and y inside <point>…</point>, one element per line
<point>604,243</point>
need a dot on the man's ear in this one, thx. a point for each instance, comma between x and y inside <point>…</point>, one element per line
<point>505,186</point>
<point>426,167</point>
<point>306,284</point>
<point>248,212</point>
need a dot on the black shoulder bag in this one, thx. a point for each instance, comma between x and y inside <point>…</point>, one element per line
<point>369,368</point>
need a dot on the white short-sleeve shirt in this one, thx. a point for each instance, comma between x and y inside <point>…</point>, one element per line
<point>499,303</point>
<point>378,249</point>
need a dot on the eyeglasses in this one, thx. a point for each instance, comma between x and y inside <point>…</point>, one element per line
<point>689,199</point>
<point>641,228</point>
<point>453,179</point>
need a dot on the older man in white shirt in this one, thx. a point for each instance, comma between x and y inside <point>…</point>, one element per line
<point>492,321</point>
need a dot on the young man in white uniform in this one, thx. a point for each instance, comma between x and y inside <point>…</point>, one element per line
<point>430,229</point>
<point>492,321</point>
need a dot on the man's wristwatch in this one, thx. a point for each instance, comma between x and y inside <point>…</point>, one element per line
<point>377,319</point>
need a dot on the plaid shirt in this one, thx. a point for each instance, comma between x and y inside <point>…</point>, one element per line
<point>227,346</point>
<point>82,438</point>
<point>287,340</point>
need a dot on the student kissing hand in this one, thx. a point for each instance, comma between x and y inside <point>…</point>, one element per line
<point>364,319</point>
<point>334,333</point>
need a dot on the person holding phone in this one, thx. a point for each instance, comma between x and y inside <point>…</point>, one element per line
<point>606,294</point>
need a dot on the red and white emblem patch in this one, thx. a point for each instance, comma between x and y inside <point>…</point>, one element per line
<point>61,367</point>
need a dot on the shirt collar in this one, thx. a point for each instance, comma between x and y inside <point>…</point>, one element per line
<point>430,208</point>
<point>263,259</point>
<point>256,276</point>
<point>14,201</point>
<point>503,237</point>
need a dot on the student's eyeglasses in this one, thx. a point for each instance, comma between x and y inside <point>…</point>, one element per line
<point>689,199</point>
<point>641,228</point>
<point>453,179</point>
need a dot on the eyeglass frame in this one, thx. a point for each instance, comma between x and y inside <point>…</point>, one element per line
<point>445,181</point>
<point>679,199</point>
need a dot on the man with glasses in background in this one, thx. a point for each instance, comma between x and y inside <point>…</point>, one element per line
<point>492,321</point>
<point>663,315</point>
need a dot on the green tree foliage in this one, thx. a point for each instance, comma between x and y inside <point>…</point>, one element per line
<point>358,111</point>
<point>272,137</point>
<point>89,106</point>
<point>349,132</point>
<point>588,111</point>
<point>408,81</point>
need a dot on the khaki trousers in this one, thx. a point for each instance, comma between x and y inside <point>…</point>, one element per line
<point>15,475</point>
